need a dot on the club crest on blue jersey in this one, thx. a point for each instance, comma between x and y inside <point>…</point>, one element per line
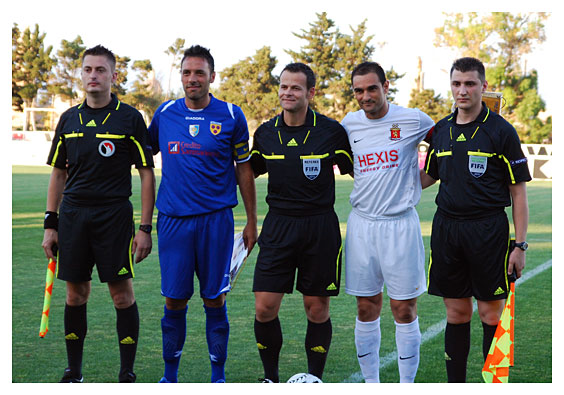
<point>194,130</point>
<point>311,167</point>
<point>477,165</point>
<point>215,127</point>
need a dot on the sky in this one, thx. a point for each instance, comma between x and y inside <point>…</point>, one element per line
<point>234,30</point>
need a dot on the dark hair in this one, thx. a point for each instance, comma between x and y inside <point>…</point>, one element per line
<point>99,50</point>
<point>197,51</point>
<point>469,64</point>
<point>369,67</point>
<point>302,68</point>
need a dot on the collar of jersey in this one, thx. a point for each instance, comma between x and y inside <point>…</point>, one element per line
<point>112,105</point>
<point>482,117</point>
<point>311,120</point>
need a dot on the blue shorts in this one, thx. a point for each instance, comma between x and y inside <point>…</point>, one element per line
<point>201,244</point>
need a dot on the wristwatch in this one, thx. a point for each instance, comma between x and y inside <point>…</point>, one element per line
<point>524,245</point>
<point>146,228</point>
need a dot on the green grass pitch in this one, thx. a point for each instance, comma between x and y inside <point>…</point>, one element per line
<point>36,360</point>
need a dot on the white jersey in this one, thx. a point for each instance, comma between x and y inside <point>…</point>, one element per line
<point>386,167</point>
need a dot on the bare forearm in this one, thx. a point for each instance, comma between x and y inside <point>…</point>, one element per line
<point>147,194</point>
<point>520,210</point>
<point>426,180</point>
<point>246,181</point>
<point>55,189</point>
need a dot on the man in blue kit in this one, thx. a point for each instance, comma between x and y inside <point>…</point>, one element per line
<point>199,138</point>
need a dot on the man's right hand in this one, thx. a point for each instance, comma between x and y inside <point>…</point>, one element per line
<point>50,239</point>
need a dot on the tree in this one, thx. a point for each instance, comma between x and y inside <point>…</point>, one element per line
<point>146,93</point>
<point>319,54</point>
<point>175,50</point>
<point>121,70</point>
<point>67,73</point>
<point>433,105</point>
<point>426,100</point>
<point>251,85</point>
<point>332,55</point>
<point>17,101</point>
<point>31,66</point>
<point>501,40</point>
<point>353,50</point>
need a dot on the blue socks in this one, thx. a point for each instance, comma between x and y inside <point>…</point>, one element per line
<point>217,335</point>
<point>173,326</point>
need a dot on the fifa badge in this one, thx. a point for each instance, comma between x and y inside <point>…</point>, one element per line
<point>477,165</point>
<point>311,167</point>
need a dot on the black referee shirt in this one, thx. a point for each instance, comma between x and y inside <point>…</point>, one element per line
<point>299,161</point>
<point>98,147</point>
<point>476,162</point>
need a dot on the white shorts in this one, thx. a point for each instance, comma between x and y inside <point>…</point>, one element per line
<point>385,251</point>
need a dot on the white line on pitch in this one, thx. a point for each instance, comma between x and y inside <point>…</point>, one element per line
<point>437,328</point>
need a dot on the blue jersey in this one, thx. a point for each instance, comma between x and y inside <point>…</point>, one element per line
<point>198,149</point>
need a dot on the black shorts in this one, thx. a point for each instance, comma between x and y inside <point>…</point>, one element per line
<point>310,244</point>
<point>469,257</point>
<point>100,235</point>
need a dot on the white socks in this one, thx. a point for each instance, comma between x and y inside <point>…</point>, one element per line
<point>408,342</point>
<point>367,340</point>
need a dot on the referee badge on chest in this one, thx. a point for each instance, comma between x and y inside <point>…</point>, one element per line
<point>477,165</point>
<point>312,168</point>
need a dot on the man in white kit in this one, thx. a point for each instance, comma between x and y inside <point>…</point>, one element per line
<point>384,243</point>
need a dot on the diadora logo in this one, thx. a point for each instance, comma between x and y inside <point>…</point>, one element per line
<point>106,148</point>
<point>174,147</point>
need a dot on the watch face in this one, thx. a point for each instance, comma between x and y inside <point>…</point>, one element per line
<point>524,245</point>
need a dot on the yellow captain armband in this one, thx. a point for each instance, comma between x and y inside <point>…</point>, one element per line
<point>241,151</point>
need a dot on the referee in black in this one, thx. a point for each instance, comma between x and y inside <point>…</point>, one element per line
<point>478,158</point>
<point>95,145</point>
<point>298,149</point>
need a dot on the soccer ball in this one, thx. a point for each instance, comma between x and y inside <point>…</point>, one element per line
<point>304,378</point>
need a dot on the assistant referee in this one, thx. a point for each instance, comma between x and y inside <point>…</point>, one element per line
<point>298,149</point>
<point>95,145</point>
<point>478,158</point>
